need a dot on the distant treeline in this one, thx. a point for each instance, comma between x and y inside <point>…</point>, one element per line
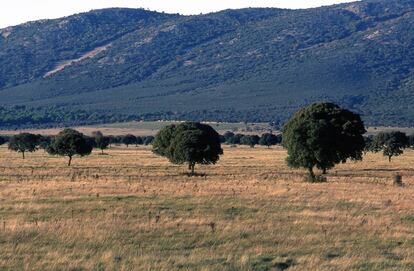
<point>229,138</point>
<point>23,117</point>
<point>18,117</point>
<point>41,117</point>
<point>43,141</point>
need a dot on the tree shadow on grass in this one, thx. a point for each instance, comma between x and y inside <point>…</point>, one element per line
<point>195,174</point>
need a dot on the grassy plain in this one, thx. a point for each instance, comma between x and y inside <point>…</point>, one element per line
<point>131,210</point>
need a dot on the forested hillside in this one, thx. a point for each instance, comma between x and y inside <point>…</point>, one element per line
<point>256,65</point>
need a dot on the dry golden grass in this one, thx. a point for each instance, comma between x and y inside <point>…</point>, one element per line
<point>131,210</point>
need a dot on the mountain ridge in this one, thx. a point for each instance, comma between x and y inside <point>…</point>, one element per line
<point>233,65</point>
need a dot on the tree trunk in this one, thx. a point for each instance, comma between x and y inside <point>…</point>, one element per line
<point>70,161</point>
<point>23,154</point>
<point>324,171</point>
<point>311,174</point>
<point>389,159</point>
<point>102,151</point>
<point>191,167</point>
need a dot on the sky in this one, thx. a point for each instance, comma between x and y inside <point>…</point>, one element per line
<point>13,12</point>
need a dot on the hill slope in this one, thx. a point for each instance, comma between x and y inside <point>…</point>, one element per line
<point>234,65</point>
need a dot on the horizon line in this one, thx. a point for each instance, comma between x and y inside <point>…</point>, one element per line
<point>166,12</point>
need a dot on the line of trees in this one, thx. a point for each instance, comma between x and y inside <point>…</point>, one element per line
<point>267,139</point>
<point>320,136</point>
<point>79,144</point>
<point>69,143</point>
<point>389,143</point>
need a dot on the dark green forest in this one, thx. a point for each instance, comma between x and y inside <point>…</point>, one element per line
<point>255,65</point>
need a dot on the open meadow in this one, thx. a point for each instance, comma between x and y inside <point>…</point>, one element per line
<point>132,210</point>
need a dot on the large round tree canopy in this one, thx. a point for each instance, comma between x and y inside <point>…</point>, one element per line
<point>323,135</point>
<point>70,143</point>
<point>189,142</point>
<point>197,143</point>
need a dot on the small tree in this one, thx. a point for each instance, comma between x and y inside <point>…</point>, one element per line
<point>250,140</point>
<point>24,142</point>
<point>235,140</point>
<point>323,135</point>
<point>70,143</point>
<point>111,139</point>
<point>269,140</point>
<point>129,140</point>
<point>228,137</point>
<point>114,140</point>
<point>391,143</point>
<point>101,141</point>
<point>192,143</point>
<point>118,139</point>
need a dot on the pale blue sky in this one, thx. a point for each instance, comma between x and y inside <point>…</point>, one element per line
<point>14,12</point>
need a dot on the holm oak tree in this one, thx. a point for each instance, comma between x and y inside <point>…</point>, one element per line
<point>323,135</point>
